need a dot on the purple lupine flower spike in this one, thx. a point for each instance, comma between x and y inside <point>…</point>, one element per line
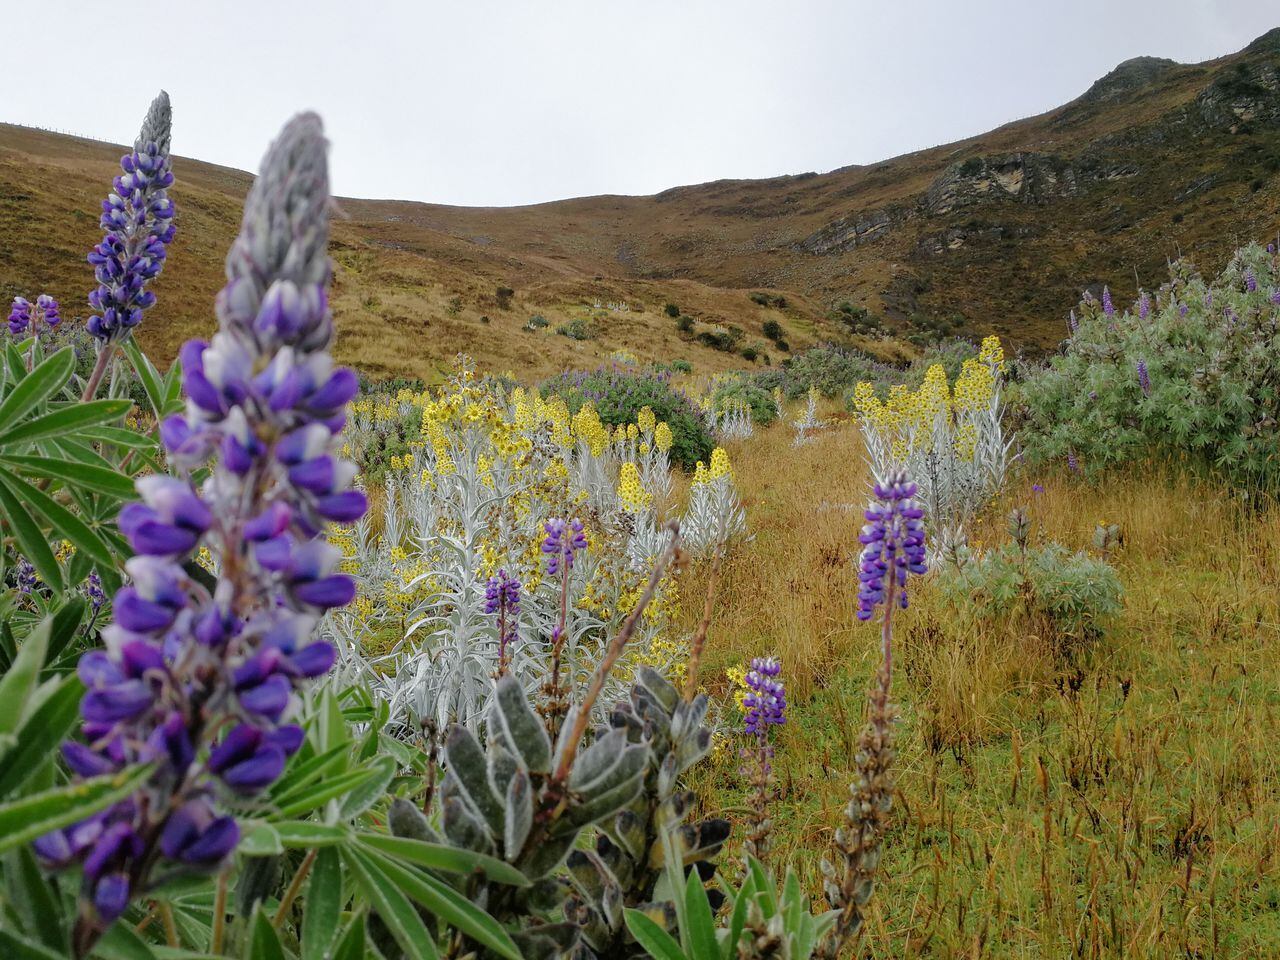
<point>19,316</point>
<point>1250,280</point>
<point>202,684</point>
<point>1107,306</point>
<point>564,538</point>
<point>766,704</point>
<point>1144,379</point>
<point>1144,305</point>
<point>502,599</point>
<point>137,224</point>
<point>893,543</point>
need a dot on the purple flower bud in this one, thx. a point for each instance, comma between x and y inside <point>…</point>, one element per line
<point>1144,380</point>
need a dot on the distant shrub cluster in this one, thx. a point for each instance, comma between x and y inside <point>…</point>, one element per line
<point>742,389</point>
<point>619,394</point>
<point>577,329</point>
<point>855,319</point>
<point>831,369</point>
<point>1194,368</point>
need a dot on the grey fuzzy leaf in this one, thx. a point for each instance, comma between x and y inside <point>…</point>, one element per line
<point>514,720</point>
<point>519,814</point>
<point>468,769</point>
<point>406,820</point>
<point>462,828</point>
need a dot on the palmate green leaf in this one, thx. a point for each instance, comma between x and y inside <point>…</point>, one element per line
<point>264,944</point>
<point>74,418</point>
<point>260,840</point>
<point>448,905</point>
<point>148,376</point>
<point>38,738</point>
<point>324,905</point>
<point>112,483</point>
<point>292,786</point>
<point>20,679</point>
<point>39,385</point>
<point>323,792</point>
<point>34,899</point>
<point>14,946</point>
<point>659,944</point>
<point>31,542</point>
<point>305,834</point>
<point>21,821</point>
<point>120,942</point>
<point>371,791</point>
<point>65,524</point>
<point>395,909</point>
<point>442,857</point>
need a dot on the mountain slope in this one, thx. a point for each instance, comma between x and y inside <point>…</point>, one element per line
<point>998,232</point>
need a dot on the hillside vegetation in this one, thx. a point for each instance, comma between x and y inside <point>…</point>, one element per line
<point>991,234</point>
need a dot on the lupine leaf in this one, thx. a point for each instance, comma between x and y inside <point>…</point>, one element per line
<point>39,385</point>
<point>397,913</point>
<point>440,856</point>
<point>34,899</point>
<point>264,944</point>
<point>21,821</point>
<point>40,734</point>
<point>83,475</point>
<point>20,679</point>
<point>64,523</point>
<point>121,943</point>
<point>33,544</point>
<point>371,791</point>
<point>450,906</point>
<point>17,947</point>
<point>701,933</point>
<point>323,905</point>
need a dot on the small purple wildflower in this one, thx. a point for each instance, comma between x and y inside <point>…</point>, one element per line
<point>1107,306</point>
<point>94,593</point>
<point>766,704</point>
<point>25,575</point>
<point>893,543</point>
<point>1250,280</point>
<point>1144,379</point>
<point>564,539</point>
<point>19,316</point>
<point>502,597</point>
<point>1073,462</point>
<point>1144,305</point>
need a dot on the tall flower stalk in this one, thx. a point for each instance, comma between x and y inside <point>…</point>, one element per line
<point>199,683</point>
<point>502,599</point>
<point>893,549</point>
<point>137,224</point>
<point>564,539</point>
<point>765,706</point>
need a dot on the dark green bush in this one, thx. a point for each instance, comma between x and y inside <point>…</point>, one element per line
<point>619,394</point>
<point>671,310</point>
<point>833,370</point>
<point>772,329</point>
<point>685,324</point>
<point>743,389</point>
<point>577,329</point>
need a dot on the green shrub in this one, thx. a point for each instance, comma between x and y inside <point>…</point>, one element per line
<point>1195,378</point>
<point>620,393</point>
<point>682,366</point>
<point>503,295</point>
<point>577,329</point>
<point>1072,594</point>
<point>685,324</point>
<point>537,322</point>
<point>742,389</point>
<point>671,310</point>
<point>833,370</point>
<point>772,329</point>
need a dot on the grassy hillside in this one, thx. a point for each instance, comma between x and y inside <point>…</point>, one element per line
<point>995,233</point>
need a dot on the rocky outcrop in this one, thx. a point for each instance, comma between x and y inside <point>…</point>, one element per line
<point>1247,94</point>
<point>1127,77</point>
<point>852,231</point>
<point>1025,177</point>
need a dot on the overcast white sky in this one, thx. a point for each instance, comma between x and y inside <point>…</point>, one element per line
<point>484,102</point>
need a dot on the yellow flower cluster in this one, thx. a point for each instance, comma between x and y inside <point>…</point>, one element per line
<point>631,492</point>
<point>909,419</point>
<point>662,437</point>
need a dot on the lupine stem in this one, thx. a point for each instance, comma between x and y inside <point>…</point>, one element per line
<point>91,385</point>
<point>219,914</point>
<point>295,887</point>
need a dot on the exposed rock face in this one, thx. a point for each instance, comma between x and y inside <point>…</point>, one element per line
<point>1026,177</point>
<point>1247,94</point>
<point>851,231</point>
<point>1129,76</point>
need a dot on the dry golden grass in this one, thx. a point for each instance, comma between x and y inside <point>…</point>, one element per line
<point>1120,802</point>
